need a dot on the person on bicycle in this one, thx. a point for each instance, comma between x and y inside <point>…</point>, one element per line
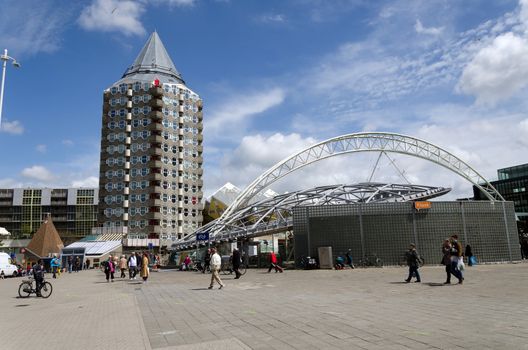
<point>236,263</point>
<point>38,274</point>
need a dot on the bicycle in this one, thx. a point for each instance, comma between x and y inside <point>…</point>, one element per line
<point>369,262</point>
<point>26,289</point>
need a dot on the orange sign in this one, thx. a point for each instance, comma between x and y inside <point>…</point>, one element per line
<point>422,205</point>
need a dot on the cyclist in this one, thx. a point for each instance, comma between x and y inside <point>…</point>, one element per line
<point>38,274</point>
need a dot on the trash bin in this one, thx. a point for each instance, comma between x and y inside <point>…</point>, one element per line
<point>325,257</point>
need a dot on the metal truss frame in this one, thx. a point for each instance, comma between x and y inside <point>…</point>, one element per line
<point>275,214</point>
<point>364,142</point>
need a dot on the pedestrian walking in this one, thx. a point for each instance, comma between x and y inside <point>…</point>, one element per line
<point>70,264</point>
<point>109,269</point>
<point>77,264</point>
<point>87,264</point>
<point>216,262</point>
<point>349,260</point>
<point>145,267</point>
<point>413,261</point>
<point>123,266</point>
<point>55,265</point>
<point>456,256</point>
<point>273,263</point>
<point>469,255</point>
<point>236,263</point>
<point>139,262</point>
<point>446,259</point>
<point>132,266</point>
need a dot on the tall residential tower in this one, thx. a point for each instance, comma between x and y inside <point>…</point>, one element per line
<point>150,181</point>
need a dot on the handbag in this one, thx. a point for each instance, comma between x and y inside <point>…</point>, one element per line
<point>461,265</point>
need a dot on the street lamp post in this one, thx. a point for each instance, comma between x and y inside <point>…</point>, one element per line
<point>5,58</point>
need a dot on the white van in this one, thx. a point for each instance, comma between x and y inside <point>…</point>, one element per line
<point>6,267</point>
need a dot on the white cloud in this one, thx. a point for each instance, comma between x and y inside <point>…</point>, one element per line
<point>179,3</point>
<point>14,127</point>
<point>41,148</point>
<point>113,15</point>
<point>272,18</point>
<point>32,26</point>
<point>254,155</point>
<point>418,26</point>
<point>39,173</point>
<point>90,181</point>
<point>236,111</point>
<point>497,71</point>
<point>67,142</point>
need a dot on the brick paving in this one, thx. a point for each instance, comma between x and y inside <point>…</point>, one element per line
<point>349,309</point>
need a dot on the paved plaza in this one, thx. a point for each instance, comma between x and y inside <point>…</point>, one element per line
<point>323,309</point>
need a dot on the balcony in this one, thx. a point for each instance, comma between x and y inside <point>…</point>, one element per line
<point>156,103</point>
<point>156,91</point>
<point>138,242</point>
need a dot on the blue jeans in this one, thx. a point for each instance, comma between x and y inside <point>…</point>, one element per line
<point>413,271</point>
<point>455,271</point>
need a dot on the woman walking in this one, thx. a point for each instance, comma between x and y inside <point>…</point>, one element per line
<point>144,267</point>
<point>446,259</point>
<point>109,269</point>
<point>123,266</point>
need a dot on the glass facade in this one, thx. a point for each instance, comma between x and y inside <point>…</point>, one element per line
<point>73,211</point>
<point>513,186</point>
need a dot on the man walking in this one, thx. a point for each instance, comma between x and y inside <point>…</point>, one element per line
<point>236,263</point>
<point>216,262</point>
<point>132,266</point>
<point>70,264</point>
<point>456,255</point>
<point>413,261</point>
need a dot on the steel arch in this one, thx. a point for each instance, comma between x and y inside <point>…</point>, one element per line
<point>277,212</point>
<point>364,142</point>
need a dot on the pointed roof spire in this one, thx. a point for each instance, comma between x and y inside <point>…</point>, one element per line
<point>46,240</point>
<point>153,59</point>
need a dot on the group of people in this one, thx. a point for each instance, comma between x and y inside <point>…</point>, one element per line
<point>134,263</point>
<point>213,261</point>
<point>73,264</point>
<point>452,259</point>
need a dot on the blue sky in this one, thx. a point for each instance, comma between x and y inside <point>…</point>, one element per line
<point>275,77</point>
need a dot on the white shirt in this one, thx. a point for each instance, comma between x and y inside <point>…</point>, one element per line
<point>132,262</point>
<point>216,261</point>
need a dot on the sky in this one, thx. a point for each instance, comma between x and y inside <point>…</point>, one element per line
<point>275,78</point>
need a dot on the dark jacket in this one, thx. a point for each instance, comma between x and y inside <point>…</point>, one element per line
<point>413,259</point>
<point>456,249</point>
<point>236,258</point>
<point>469,252</point>
<point>38,272</point>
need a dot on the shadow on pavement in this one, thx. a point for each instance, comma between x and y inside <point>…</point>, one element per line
<point>436,284</point>
<point>200,288</point>
<point>402,282</point>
